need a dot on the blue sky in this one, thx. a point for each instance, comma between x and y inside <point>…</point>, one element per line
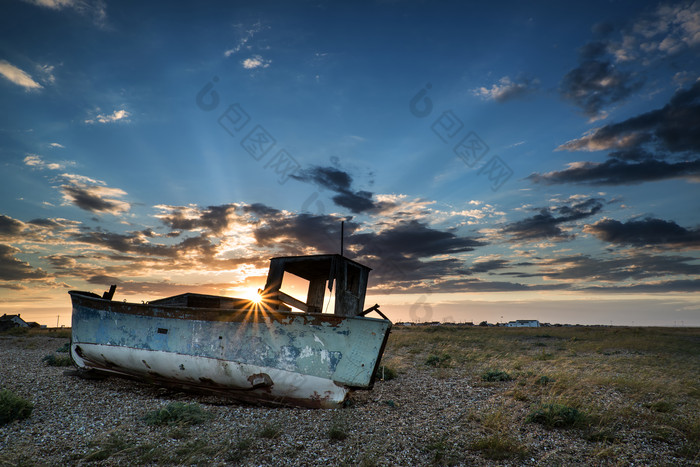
<point>490,163</point>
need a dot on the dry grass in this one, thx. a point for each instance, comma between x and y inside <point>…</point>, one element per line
<point>644,379</point>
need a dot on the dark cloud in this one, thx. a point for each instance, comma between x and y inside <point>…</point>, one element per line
<point>465,285</point>
<point>213,218</point>
<point>412,239</point>
<point>340,182</point>
<point>672,128</point>
<point>619,172</point>
<point>163,288</point>
<point>488,266</point>
<point>596,83</point>
<point>13,269</point>
<point>626,272</point>
<point>632,267</point>
<point>646,232</point>
<point>299,233</point>
<point>411,251</point>
<point>136,243</point>
<point>9,227</point>
<point>546,224</point>
<point>658,145</point>
<point>94,198</point>
<point>50,223</point>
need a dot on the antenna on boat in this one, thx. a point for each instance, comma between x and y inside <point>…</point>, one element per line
<point>342,229</point>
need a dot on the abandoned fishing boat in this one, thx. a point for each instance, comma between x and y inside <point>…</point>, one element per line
<point>280,350</point>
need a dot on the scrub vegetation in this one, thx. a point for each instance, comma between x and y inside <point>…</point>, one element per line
<point>13,407</point>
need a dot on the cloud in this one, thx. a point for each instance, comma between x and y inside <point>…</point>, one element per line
<point>671,128</point>
<point>646,232</point>
<point>340,182</point>
<point>636,267</point>
<point>546,225</point>
<point>17,76</point>
<point>34,160</point>
<point>246,37</point>
<point>94,8</point>
<point>13,269</point>
<point>640,146</point>
<point>213,218</point>
<point>256,61</point>
<point>617,172</point>
<point>681,286</point>
<point>91,195</point>
<point>671,29</point>
<point>115,116</point>
<point>10,227</point>
<point>506,89</point>
<point>596,82</point>
<point>57,145</point>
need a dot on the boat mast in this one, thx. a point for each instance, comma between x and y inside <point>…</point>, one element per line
<point>342,228</point>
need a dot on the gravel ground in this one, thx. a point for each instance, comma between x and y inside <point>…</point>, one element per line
<point>422,417</point>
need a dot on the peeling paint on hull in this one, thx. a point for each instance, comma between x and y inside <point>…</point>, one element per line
<point>277,357</point>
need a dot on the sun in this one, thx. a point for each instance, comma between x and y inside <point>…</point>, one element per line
<point>255,296</point>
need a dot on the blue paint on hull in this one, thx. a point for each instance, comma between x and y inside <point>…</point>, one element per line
<point>345,351</point>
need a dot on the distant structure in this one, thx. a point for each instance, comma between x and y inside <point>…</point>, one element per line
<point>11,321</point>
<point>523,323</point>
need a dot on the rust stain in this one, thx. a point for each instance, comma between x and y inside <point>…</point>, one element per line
<point>260,380</point>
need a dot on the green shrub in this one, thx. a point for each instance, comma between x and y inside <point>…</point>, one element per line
<point>385,373</point>
<point>177,413</point>
<point>106,447</point>
<point>544,380</point>
<point>239,449</point>
<point>60,360</point>
<point>64,348</point>
<point>557,416</point>
<point>337,432</point>
<point>442,360</point>
<point>270,431</point>
<point>13,407</point>
<point>496,375</point>
<point>498,447</point>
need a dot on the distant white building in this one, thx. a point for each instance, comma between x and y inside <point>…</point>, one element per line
<point>523,323</point>
<point>12,321</point>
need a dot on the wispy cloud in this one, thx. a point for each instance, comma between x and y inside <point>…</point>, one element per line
<point>18,76</point>
<point>115,116</point>
<point>94,8</point>
<point>34,160</point>
<point>507,89</point>
<point>246,37</point>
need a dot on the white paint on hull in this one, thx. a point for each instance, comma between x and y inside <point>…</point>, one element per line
<point>209,373</point>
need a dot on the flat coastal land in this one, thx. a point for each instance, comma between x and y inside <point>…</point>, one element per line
<point>451,395</point>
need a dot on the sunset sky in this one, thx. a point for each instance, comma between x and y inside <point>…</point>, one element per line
<point>491,161</point>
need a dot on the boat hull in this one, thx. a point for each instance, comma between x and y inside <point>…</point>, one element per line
<point>286,358</point>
